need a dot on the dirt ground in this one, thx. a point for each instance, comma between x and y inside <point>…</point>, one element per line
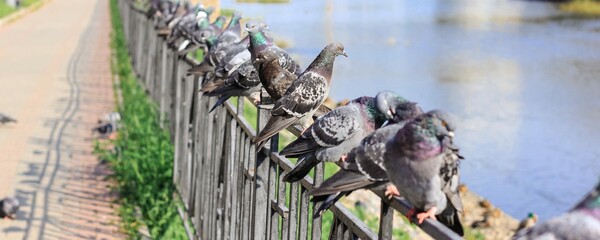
<point>56,80</point>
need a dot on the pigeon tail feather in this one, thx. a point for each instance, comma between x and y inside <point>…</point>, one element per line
<point>449,217</point>
<point>342,181</point>
<point>299,147</point>
<point>201,68</point>
<point>220,102</point>
<point>274,126</point>
<point>302,168</point>
<point>327,202</point>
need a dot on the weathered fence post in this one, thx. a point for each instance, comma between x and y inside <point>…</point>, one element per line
<point>262,208</point>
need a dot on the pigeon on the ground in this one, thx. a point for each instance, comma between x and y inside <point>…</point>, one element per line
<point>6,119</point>
<point>332,136</point>
<point>276,69</point>
<point>9,207</point>
<point>104,128</point>
<point>582,222</point>
<point>422,162</point>
<point>304,97</point>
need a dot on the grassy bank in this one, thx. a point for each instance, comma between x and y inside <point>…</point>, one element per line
<point>584,8</point>
<point>5,10</point>
<point>142,155</point>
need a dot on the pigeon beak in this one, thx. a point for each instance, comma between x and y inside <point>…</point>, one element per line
<point>344,54</point>
<point>451,134</point>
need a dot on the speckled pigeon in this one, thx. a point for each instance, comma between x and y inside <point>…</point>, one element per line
<point>276,69</point>
<point>582,222</point>
<point>332,136</point>
<point>6,119</point>
<point>422,162</point>
<point>9,207</point>
<point>304,96</point>
<point>362,169</point>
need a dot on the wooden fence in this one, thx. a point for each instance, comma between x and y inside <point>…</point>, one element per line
<point>231,191</point>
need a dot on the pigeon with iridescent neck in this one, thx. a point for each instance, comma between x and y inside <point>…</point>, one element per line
<point>332,136</point>
<point>304,96</point>
<point>582,222</point>
<point>422,162</point>
<point>276,69</point>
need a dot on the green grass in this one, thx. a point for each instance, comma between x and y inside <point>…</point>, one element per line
<point>143,164</point>
<point>5,10</point>
<point>587,8</point>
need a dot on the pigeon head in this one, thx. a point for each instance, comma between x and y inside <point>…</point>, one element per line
<point>9,207</point>
<point>259,37</point>
<point>432,128</point>
<point>395,107</point>
<point>445,120</point>
<point>235,19</point>
<point>335,49</point>
<point>323,64</point>
<point>220,22</point>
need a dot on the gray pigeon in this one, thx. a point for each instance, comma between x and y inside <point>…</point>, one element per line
<point>422,162</point>
<point>276,69</point>
<point>582,222</point>
<point>332,136</point>
<point>9,207</point>
<point>362,169</point>
<point>304,96</point>
<point>6,119</point>
<point>242,82</point>
<point>224,49</point>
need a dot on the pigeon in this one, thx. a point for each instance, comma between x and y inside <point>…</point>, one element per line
<point>304,96</point>
<point>362,169</point>
<point>422,162</point>
<point>231,34</point>
<point>6,119</point>
<point>225,61</point>
<point>9,207</point>
<point>104,128</point>
<point>186,24</point>
<point>242,82</point>
<point>276,69</point>
<point>227,44</point>
<point>582,222</point>
<point>332,136</point>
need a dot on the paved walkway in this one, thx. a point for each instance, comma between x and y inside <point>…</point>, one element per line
<point>55,79</point>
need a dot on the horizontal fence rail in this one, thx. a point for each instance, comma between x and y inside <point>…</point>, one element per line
<point>230,190</point>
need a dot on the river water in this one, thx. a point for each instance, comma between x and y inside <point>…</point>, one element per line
<point>522,80</point>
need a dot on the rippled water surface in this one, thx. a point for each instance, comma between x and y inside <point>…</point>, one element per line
<point>523,80</point>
